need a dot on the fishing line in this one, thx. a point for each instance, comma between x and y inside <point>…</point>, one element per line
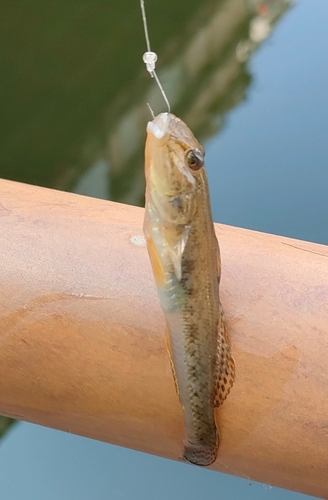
<point>151,111</point>
<point>150,58</point>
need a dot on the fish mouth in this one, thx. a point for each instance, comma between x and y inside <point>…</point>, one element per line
<point>158,127</point>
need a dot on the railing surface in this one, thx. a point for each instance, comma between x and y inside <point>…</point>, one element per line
<point>82,337</point>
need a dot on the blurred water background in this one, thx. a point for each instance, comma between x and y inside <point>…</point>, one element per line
<point>249,77</point>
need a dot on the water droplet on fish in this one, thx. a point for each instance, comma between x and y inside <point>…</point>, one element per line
<point>138,240</point>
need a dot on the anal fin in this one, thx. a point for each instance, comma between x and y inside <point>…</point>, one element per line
<point>168,347</point>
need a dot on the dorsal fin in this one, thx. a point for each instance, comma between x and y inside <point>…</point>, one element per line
<point>225,364</point>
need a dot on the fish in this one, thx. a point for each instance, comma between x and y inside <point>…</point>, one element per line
<point>185,259</point>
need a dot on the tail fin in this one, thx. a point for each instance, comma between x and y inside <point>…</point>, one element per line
<point>202,453</point>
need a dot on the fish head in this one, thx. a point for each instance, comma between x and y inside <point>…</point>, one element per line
<point>173,159</point>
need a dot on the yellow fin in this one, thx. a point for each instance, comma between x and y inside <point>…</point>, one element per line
<point>225,365</point>
<point>158,270</point>
<point>168,347</point>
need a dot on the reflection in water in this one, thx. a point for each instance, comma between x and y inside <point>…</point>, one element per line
<point>203,81</point>
<point>5,423</point>
<point>73,64</point>
<point>95,181</point>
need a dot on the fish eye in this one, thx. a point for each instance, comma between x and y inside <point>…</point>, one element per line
<point>195,159</point>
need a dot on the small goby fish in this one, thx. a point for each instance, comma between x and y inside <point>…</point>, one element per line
<point>185,258</point>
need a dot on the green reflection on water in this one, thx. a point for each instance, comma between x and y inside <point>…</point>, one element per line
<point>5,423</point>
<point>75,89</point>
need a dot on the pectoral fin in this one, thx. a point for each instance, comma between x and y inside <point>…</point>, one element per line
<point>176,244</point>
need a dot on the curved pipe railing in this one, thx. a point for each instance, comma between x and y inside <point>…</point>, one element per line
<point>82,337</point>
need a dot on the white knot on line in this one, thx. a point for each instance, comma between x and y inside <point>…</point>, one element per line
<point>150,58</point>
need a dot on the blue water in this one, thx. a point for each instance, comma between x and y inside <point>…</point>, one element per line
<point>39,463</point>
<point>268,168</point>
